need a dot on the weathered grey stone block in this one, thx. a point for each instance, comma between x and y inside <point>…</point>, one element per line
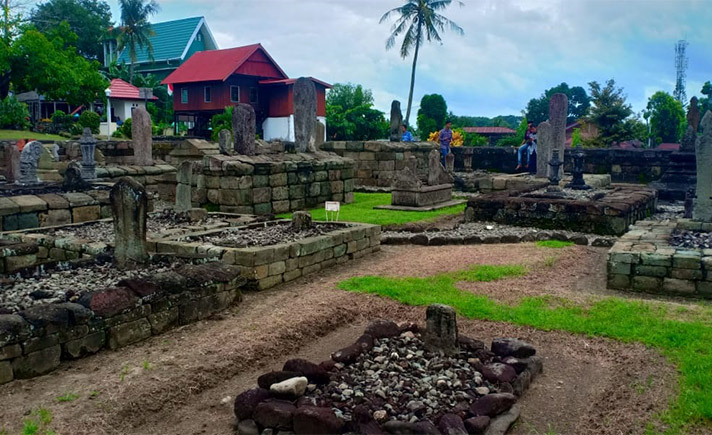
<point>129,333</point>
<point>647,284</point>
<point>36,363</point>
<point>678,286</point>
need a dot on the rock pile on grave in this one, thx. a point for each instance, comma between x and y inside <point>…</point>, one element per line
<point>389,381</point>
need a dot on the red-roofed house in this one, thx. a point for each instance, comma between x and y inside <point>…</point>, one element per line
<point>125,97</point>
<point>493,134</point>
<point>211,80</point>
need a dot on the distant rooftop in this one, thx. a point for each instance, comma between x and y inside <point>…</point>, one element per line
<point>489,130</point>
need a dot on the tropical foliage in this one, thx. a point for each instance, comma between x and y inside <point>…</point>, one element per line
<point>418,21</point>
<point>538,108</point>
<point>432,113</point>
<point>221,121</point>
<point>350,114</point>
<point>13,114</point>
<point>135,29</point>
<point>609,111</point>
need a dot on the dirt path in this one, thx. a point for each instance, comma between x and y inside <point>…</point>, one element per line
<point>184,381</point>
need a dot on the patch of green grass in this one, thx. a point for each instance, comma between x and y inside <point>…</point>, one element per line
<point>94,394</point>
<point>38,423</point>
<point>361,210</point>
<point>554,244</point>
<point>24,134</point>
<point>549,261</point>
<point>487,273</point>
<point>124,371</point>
<point>685,341</point>
<point>147,365</point>
<point>68,397</point>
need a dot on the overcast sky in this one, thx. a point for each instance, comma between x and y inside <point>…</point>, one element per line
<point>512,50</point>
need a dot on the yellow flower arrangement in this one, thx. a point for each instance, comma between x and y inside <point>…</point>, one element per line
<point>457,138</point>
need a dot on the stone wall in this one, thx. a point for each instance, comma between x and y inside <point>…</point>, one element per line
<point>273,183</point>
<point>33,342</point>
<point>643,261</point>
<point>625,166</point>
<point>33,211</point>
<point>157,179</point>
<point>611,214</point>
<point>376,163</point>
<point>267,266</point>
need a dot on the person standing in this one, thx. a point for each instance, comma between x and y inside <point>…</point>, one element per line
<point>445,138</point>
<point>406,135</point>
<point>524,147</point>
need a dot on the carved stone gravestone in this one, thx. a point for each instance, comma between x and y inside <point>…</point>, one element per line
<point>441,329</point>
<point>225,142</point>
<point>29,159</point>
<point>301,220</point>
<point>73,180</point>
<point>450,162</point>
<point>320,133</point>
<point>12,163</point>
<point>436,173</point>
<point>243,129</point>
<point>558,111</point>
<point>396,121</point>
<point>142,137</point>
<point>407,179</point>
<point>183,191</point>
<point>304,97</point>
<point>88,145</point>
<point>129,204</point>
<point>703,203</point>
<point>543,149</point>
<point>693,121</point>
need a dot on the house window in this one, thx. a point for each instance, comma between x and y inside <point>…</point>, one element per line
<point>253,95</point>
<point>206,94</point>
<point>199,37</point>
<point>184,95</point>
<point>235,94</point>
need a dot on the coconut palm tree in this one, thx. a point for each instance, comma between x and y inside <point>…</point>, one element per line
<point>418,21</point>
<point>135,29</point>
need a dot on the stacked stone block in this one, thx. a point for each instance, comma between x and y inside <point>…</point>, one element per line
<point>34,211</point>
<point>377,163</point>
<point>33,342</point>
<point>268,184</point>
<point>643,261</point>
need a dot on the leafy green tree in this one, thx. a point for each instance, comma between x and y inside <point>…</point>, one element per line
<point>517,139</point>
<point>135,30</point>
<point>609,111</point>
<point>349,95</point>
<point>13,114</point>
<point>431,114</point>
<point>538,108</point>
<point>474,140</point>
<point>350,114</point>
<point>221,121</point>
<point>89,19</point>
<point>418,21</point>
<point>91,120</point>
<point>667,117</point>
<point>705,103</point>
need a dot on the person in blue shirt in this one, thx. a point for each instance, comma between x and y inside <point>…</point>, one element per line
<point>445,137</point>
<point>406,136</point>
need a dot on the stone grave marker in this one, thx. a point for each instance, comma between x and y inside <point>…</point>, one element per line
<point>436,173</point>
<point>558,111</point>
<point>320,133</point>
<point>304,97</point>
<point>183,188</point>
<point>396,121</point>
<point>88,146</point>
<point>441,329</point>
<point>142,137</point>
<point>225,142</point>
<point>243,129</point>
<point>301,220</point>
<point>693,123</point>
<point>29,159</point>
<point>703,204</point>
<point>543,149</point>
<point>129,204</point>
<point>12,163</point>
<point>73,180</point>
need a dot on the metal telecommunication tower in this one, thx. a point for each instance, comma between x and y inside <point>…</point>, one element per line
<point>681,68</point>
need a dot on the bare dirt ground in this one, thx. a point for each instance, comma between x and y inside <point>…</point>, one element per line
<point>184,381</point>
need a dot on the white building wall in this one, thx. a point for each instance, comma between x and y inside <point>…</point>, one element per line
<point>282,128</point>
<point>322,119</point>
<point>123,108</point>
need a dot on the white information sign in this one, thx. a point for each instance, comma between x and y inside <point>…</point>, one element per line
<point>331,208</point>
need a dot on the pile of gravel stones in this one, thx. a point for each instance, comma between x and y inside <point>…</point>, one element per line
<point>490,233</point>
<point>691,239</point>
<point>387,382</point>
<point>573,194</point>
<point>264,235</point>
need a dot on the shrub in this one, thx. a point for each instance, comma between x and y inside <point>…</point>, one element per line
<point>13,114</point>
<point>125,129</point>
<point>89,119</point>
<point>221,121</point>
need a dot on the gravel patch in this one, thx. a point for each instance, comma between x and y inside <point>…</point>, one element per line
<point>281,232</point>
<point>669,211</point>
<point>691,239</point>
<point>572,194</point>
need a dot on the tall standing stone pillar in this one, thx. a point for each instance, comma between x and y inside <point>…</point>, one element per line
<point>129,204</point>
<point>543,152</point>
<point>12,163</point>
<point>225,142</point>
<point>142,137</point>
<point>244,129</point>
<point>558,111</point>
<point>396,121</point>
<point>184,178</point>
<point>693,123</point>
<point>304,97</point>
<point>29,160</point>
<point>703,204</point>
<point>441,329</point>
<point>88,146</point>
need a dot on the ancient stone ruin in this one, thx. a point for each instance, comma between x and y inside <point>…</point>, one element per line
<point>88,146</point>
<point>243,129</point>
<point>304,95</point>
<point>409,193</point>
<point>73,180</point>
<point>225,142</point>
<point>703,203</point>
<point>693,122</point>
<point>558,111</point>
<point>184,178</point>
<point>29,159</point>
<point>445,383</point>
<point>129,204</point>
<point>396,121</point>
<point>142,136</point>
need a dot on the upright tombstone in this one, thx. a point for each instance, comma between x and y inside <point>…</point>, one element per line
<point>304,97</point>
<point>129,204</point>
<point>437,175</point>
<point>301,220</point>
<point>184,179</point>
<point>543,149</point>
<point>29,159</point>
<point>703,203</point>
<point>441,329</point>
<point>12,163</point>
<point>558,111</point>
<point>243,129</point>
<point>396,121</point>
<point>142,137</point>
<point>88,145</point>
<point>225,142</point>
<point>693,123</point>
<point>320,133</point>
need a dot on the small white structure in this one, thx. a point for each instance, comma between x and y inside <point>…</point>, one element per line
<point>282,128</point>
<point>125,97</point>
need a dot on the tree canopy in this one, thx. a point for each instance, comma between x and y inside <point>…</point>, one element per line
<point>348,96</point>
<point>88,19</point>
<point>609,111</point>
<point>431,114</point>
<point>579,102</point>
<point>667,118</point>
<point>135,29</point>
<point>350,114</point>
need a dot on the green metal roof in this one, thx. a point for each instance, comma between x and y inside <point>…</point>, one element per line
<point>170,40</point>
